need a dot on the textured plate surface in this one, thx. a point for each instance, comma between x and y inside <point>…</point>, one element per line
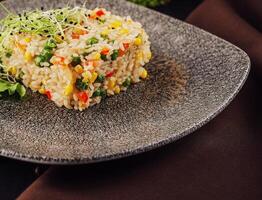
<point>147,116</point>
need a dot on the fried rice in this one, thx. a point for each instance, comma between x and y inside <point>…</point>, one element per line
<point>89,55</point>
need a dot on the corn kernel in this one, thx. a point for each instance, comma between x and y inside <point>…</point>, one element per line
<point>41,91</point>
<point>112,83</point>
<point>139,55</point>
<point>86,76</point>
<point>12,70</point>
<point>138,41</point>
<point>44,81</point>
<point>27,39</point>
<point>85,80</point>
<point>78,31</point>
<point>105,32</point>
<point>96,56</point>
<point>94,77</point>
<point>143,73</point>
<point>149,55</point>
<point>116,24</point>
<point>129,21</point>
<point>58,38</point>
<point>28,57</point>
<point>124,31</point>
<point>117,89</point>
<point>79,69</point>
<point>68,89</point>
<point>22,47</point>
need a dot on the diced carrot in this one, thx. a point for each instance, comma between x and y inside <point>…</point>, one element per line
<point>75,36</point>
<point>105,51</point>
<point>122,52</point>
<point>126,45</point>
<point>20,46</point>
<point>96,63</point>
<point>78,33</point>
<point>59,60</point>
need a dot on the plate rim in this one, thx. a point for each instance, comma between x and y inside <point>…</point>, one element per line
<point>79,161</point>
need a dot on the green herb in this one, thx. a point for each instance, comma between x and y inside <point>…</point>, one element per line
<point>102,21</point>
<point>86,53</point>
<point>103,93</point>
<point>92,41</point>
<point>8,54</point>
<point>105,37</point>
<point>103,57</point>
<point>127,82</point>
<point>50,44</point>
<point>76,60</point>
<point>49,22</point>
<point>11,89</point>
<point>114,55</point>
<point>46,54</point>
<point>100,93</point>
<point>100,78</point>
<point>80,85</point>
<point>39,59</point>
<point>97,93</point>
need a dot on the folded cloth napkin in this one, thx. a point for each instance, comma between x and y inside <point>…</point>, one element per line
<point>222,160</point>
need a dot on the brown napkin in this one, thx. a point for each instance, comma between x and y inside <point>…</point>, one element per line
<point>230,21</point>
<point>222,160</point>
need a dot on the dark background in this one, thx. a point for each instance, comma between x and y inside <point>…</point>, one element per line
<point>16,176</point>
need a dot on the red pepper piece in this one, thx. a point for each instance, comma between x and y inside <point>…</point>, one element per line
<point>110,74</point>
<point>100,13</point>
<point>48,94</point>
<point>82,96</point>
<point>121,52</point>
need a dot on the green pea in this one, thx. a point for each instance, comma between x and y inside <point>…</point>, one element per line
<point>92,41</point>
<point>100,78</point>
<point>114,55</point>
<point>103,57</point>
<point>127,82</point>
<point>100,93</point>
<point>103,93</point>
<point>76,60</point>
<point>97,93</point>
<point>80,85</point>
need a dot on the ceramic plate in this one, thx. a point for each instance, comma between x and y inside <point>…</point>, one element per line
<point>193,76</point>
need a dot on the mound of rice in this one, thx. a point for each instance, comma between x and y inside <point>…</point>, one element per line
<point>91,55</point>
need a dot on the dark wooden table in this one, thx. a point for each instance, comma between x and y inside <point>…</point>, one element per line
<point>16,176</point>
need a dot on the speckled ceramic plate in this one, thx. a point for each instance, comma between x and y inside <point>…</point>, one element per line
<point>148,115</point>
